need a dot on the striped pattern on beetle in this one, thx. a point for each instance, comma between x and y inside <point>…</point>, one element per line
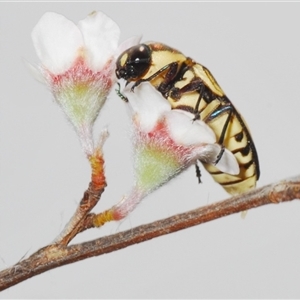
<point>189,86</point>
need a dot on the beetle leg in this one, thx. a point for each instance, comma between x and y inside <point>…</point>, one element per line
<point>198,172</point>
<point>217,112</point>
<point>164,86</point>
<point>195,85</point>
<point>171,66</point>
<point>196,109</point>
<point>220,154</point>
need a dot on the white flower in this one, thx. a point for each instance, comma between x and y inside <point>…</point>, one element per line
<point>166,142</point>
<point>77,63</point>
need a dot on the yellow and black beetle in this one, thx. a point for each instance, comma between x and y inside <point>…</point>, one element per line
<point>189,86</point>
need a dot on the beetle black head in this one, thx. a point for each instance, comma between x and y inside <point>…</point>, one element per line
<point>133,63</point>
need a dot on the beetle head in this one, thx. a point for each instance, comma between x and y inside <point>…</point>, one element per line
<point>133,63</point>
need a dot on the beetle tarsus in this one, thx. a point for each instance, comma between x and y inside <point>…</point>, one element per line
<point>198,172</point>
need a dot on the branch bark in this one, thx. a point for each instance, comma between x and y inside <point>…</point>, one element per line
<point>54,256</point>
<point>90,197</point>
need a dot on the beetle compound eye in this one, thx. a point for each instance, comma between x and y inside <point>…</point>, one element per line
<point>140,54</point>
<point>139,60</point>
<point>134,62</point>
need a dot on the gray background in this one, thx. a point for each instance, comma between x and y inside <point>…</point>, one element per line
<point>254,52</point>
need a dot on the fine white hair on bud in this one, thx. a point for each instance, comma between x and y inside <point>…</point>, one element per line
<point>77,64</point>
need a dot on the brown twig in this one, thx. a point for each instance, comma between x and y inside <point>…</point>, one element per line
<point>54,256</point>
<point>90,198</point>
<point>81,215</point>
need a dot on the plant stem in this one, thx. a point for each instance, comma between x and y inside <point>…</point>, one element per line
<point>57,255</point>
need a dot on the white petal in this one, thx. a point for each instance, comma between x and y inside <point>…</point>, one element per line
<point>148,105</point>
<point>187,132</point>
<point>56,41</point>
<point>227,164</point>
<point>135,40</point>
<point>101,36</point>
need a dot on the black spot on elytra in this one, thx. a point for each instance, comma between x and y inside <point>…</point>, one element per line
<point>239,136</point>
<point>245,151</point>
